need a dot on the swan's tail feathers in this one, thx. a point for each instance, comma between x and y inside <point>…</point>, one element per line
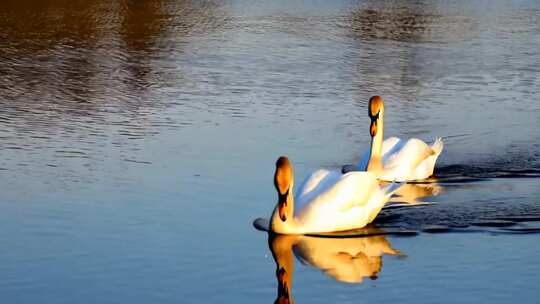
<point>437,146</point>
<point>390,189</point>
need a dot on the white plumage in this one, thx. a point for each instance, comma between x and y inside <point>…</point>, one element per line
<point>328,201</point>
<point>406,160</point>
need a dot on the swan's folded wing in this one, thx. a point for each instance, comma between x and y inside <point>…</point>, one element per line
<point>316,183</point>
<point>426,166</point>
<point>391,146</point>
<point>310,182</point>
<point>351,190</point>
<point>409,155</point>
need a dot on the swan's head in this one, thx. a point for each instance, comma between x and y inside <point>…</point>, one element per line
<point>375,111</point>
<point>283,181</point>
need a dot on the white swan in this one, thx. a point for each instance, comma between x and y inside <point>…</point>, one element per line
<point>396,159</point>
<point>327,201</point>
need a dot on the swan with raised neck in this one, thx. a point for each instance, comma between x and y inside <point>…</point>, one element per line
<point>395,159</point>
<point>376,130</point>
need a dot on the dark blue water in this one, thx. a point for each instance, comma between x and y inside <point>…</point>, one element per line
<point>138,142</point>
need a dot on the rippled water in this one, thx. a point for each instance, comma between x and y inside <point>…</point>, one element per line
<point>138,141</point>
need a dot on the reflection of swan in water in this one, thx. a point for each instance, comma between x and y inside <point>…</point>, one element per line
<point>413,193</point>
<point>344,259</point>
<point>281,247</point>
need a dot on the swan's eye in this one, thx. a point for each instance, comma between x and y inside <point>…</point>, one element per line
<point>283,197</point>
<point>374,117</point>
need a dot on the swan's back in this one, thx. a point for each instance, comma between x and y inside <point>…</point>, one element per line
<point>409,154</point>
<point>410,159</point>
<point>426,167</point>
<point>314,185</point>
<point>332,202</point>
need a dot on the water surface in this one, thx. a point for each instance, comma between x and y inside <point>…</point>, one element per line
<point>138,142</point>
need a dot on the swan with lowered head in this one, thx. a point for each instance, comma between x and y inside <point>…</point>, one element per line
<point>395,159</point>
<point>327,201</point>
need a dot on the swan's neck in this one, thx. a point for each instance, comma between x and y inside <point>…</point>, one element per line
<point>290,225</point>
<point>375,157</point>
